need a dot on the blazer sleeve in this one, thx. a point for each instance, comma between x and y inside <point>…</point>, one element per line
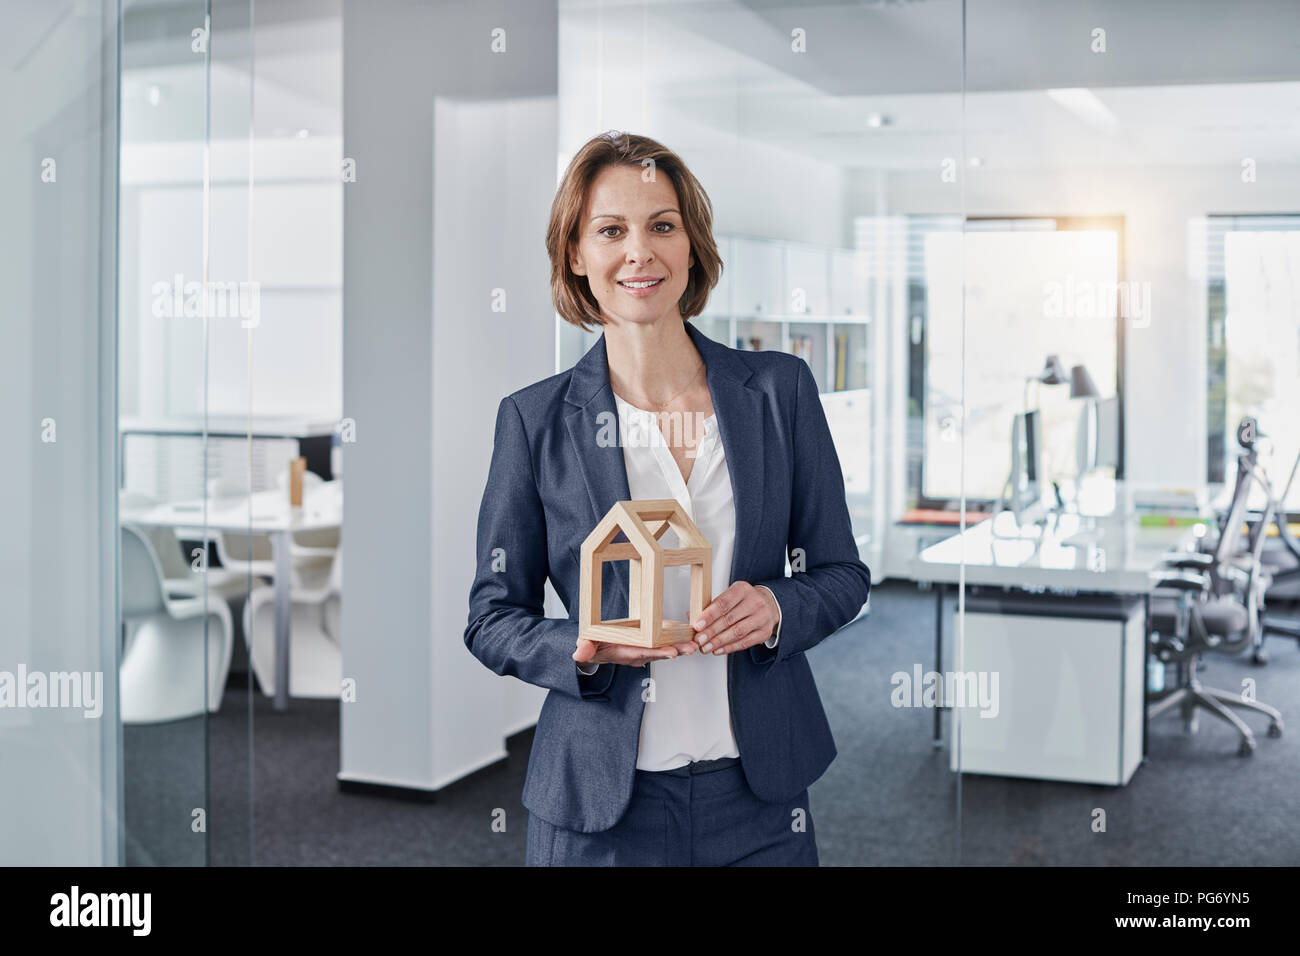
<point>834,583</point>
<point>508,630</point>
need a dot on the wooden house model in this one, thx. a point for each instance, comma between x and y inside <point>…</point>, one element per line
<point>644,523</point>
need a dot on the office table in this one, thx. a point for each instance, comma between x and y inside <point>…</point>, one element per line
<point>266,512</point>
<point>1092,559</point>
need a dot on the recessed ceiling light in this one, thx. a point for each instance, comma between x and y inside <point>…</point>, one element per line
<point>877,120</point>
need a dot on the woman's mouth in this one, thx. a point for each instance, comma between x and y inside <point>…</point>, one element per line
<point>640,287</point>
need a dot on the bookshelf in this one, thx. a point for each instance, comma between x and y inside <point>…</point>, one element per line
<point>810,301</point>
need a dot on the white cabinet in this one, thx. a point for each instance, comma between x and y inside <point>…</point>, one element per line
<point>807,280</point>
<point>811,301</point>
<point>719,304</point>
<point>1069,692</point>
<point>849,278</point>
<point>758,289</point>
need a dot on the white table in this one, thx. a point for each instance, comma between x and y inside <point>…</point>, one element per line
<point>265,512</point>
<point>1102,551</point>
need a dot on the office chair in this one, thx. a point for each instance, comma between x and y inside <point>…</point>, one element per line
<point>1211,602</point>
<point>1283,567</point>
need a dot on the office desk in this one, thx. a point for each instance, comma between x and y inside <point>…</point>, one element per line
<point>1075,578</point>
<point>267,512</point>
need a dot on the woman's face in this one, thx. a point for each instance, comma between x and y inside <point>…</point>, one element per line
<point>632,231</point>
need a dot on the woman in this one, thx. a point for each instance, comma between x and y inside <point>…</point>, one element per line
<point>698,753</point>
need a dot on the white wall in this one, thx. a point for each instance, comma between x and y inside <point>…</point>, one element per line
<point>455,156</point>
<point>491,197</point>
<point>294,365</point>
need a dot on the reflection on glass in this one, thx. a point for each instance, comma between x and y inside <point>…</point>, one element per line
<point>807,128</point>
<point>178,635</point>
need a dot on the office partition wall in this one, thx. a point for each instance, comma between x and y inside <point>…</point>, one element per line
<point>185,96</point>
<point>61,788</point>
<point>1171,130</point>
<point>796,118</point>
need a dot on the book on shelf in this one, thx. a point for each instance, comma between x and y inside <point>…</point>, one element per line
<point>841,361</point>
<point>802,346</point>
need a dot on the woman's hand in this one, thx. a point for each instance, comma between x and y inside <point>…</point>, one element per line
<point>739,617</point>
<point>600,652</point>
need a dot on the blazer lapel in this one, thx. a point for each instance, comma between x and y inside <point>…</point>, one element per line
<point>597,443</point>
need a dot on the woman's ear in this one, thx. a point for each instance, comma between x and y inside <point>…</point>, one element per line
<point>576,265</point>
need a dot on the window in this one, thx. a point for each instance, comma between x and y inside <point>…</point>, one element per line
<point>1253,348</point>
<point>1034,287</point>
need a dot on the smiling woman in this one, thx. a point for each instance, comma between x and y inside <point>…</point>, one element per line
<point>701,752</point>
<point>666,207</point>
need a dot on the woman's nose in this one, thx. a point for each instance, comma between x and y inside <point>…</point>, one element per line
<point>637,248</point>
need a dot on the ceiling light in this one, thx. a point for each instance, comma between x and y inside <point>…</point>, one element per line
<point>1085,105</point>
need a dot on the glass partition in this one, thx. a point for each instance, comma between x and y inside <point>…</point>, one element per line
<point>178,631</point>
<point>829,139</point>
<point>60,788</point>
<point>1128,350</point>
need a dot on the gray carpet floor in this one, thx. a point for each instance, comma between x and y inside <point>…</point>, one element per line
<point>888,799</point>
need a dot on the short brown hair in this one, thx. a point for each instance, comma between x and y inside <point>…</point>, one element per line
<point>573,298</point>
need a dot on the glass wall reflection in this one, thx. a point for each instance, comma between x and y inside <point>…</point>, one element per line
<point>230,397</point>
<point>828,138</point>
<point>1129,329</point>
<point>178,630</point>
<point>59,759</point>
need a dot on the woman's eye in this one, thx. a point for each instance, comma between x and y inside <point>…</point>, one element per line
<point>663,232</point>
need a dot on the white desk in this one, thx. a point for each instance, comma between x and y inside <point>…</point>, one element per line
<point>1065,559</point>
<point>266,512</point>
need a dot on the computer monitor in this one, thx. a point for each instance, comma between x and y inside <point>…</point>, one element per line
<point>1026,460</point>
<point>1097,438</point>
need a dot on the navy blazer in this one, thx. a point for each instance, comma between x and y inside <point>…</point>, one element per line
<point>556,470</point>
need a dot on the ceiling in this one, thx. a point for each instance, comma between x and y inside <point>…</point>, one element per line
<point>1182,82</point>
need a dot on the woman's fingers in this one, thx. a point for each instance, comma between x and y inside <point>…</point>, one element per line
<point>731,625</point>
<point>633,656</point>
<point>741,635</point>
<point>600,652</point>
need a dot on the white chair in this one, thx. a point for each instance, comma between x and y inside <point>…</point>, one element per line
<point>315,648</point>
<point>180,579</point>
<point>168,657</point>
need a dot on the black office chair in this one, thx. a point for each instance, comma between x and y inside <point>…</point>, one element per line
<point>1211,602</point>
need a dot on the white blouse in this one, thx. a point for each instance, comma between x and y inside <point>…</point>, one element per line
<point>689,716</point>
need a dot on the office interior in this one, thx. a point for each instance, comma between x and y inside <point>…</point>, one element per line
<point>1043,259</point>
